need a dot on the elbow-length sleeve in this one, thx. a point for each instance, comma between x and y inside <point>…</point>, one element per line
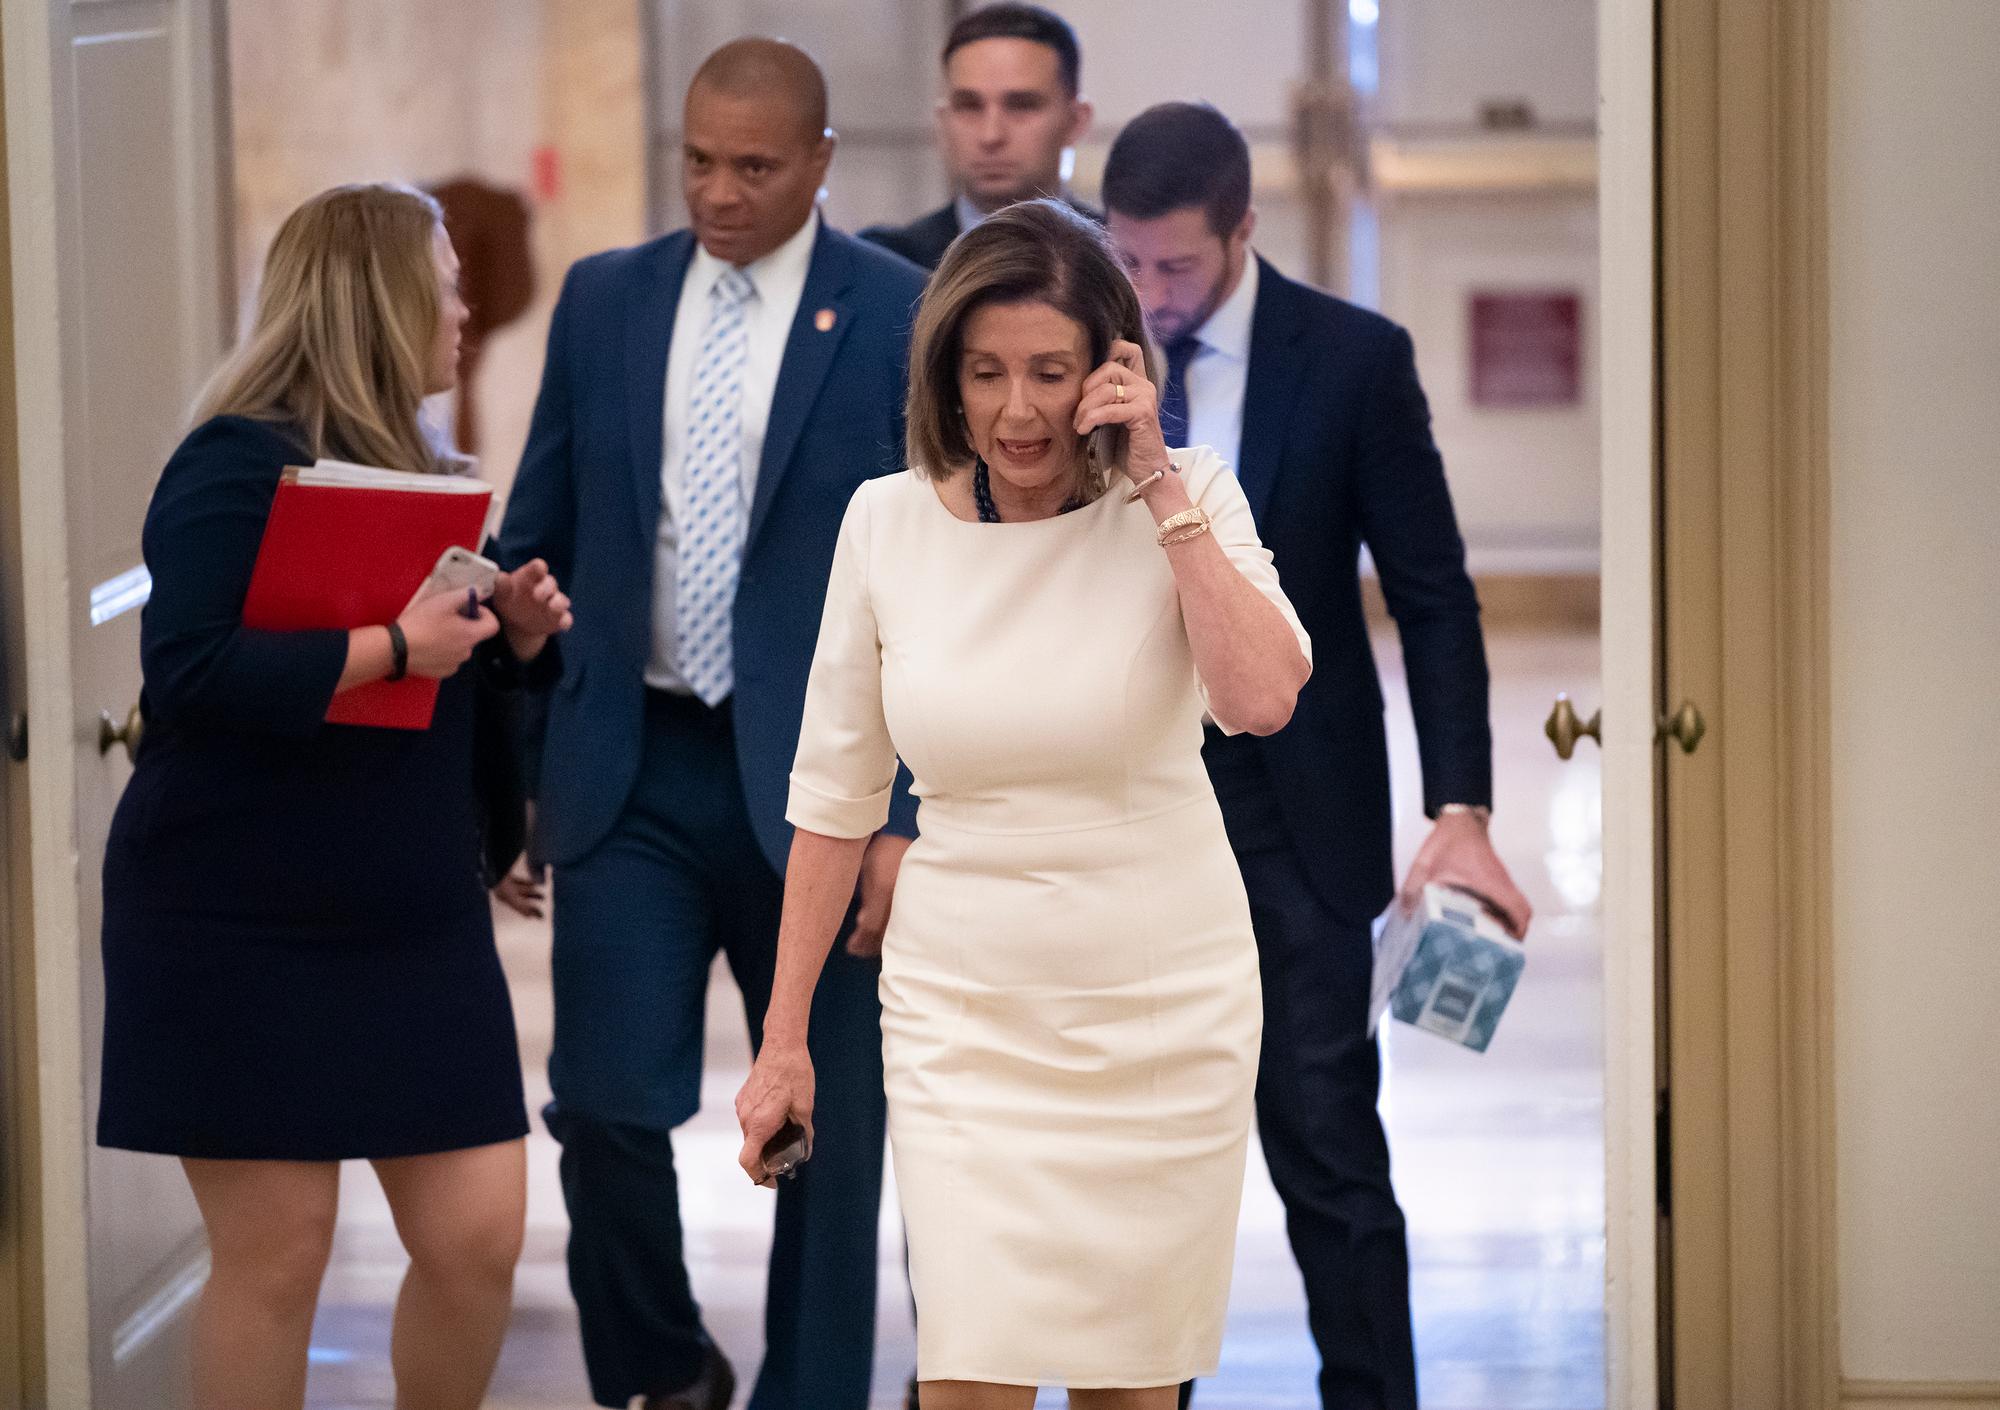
<point>845,769</point>
<point>203,529</point>
<point>1212,485</point>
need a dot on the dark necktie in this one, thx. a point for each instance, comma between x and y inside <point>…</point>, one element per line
<point>1173,399</point>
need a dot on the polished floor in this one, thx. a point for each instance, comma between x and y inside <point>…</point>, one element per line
<point>1499,1156</point>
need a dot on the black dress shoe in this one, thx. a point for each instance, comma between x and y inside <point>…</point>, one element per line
<point>711,1389</point>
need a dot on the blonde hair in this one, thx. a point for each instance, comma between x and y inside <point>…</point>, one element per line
<point>346,320</point>
<point>1036,251</point>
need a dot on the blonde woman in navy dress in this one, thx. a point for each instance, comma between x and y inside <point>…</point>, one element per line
<point>1071,1008</point>
<point>298,951</point>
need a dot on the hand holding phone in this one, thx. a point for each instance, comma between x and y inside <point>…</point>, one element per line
<point>775,1111</point>
<point>1119,412</point>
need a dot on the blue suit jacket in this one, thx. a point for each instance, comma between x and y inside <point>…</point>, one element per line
<point>587,499</point>
<point>1337,452</point>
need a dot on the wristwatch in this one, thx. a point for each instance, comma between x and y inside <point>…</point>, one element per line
<point>1478,811</point>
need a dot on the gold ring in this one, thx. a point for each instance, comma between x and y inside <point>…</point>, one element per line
<point>1121,390</point>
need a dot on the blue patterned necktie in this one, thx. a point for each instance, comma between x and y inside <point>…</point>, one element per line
<point>1173,397</point>
<point>709,551</point>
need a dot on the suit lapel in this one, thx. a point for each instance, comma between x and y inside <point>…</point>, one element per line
<point>809,353</point>
<point>649,332</point>
<point>1271,391</point>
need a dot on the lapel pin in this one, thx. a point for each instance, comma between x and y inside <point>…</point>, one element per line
<point>823,320</point>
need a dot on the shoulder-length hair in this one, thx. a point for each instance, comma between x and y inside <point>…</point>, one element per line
<point>1038,251</point>
<point>347,317</point>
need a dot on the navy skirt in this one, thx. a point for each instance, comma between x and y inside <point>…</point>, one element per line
<point>298,949</point>
<point>229,1041</point>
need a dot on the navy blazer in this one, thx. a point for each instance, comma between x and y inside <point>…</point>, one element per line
<point>1337,453</point>
<point>924,240</point>
<point>588,497</point>
<point>245,806</point>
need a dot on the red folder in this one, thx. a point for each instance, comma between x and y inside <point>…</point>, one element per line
<point>348,546</point>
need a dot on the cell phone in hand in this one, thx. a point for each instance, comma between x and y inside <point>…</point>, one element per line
<point>458,570</point>
<point>785,1152</point>
<point>1107,446</point>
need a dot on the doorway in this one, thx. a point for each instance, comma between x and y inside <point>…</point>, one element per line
<point>1625,205</point>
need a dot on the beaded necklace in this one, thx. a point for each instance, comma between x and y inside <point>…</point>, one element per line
<point>982,495</point>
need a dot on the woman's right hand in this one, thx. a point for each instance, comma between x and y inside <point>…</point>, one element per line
<point>779,1089</point>
<point>440,636</point>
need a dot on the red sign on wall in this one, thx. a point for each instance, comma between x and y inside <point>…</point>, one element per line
<point>1527,348</point>
<point>545,165</point>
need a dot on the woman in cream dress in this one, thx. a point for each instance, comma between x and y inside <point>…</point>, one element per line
<point>1070,995</point>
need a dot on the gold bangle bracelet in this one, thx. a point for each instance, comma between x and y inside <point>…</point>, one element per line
<point>1146,484</point>
<point>1190,523</point>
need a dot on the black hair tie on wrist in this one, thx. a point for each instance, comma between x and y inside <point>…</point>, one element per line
<point>399,652</point>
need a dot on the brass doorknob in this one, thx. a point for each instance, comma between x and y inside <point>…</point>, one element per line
<point>1564,729</point>
<point>1685,727</point>
<point>110,732</point>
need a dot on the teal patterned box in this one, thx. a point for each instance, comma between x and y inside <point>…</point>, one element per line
<point>1446,966</point>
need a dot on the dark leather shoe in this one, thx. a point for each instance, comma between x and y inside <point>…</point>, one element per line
<point>711,1389</point>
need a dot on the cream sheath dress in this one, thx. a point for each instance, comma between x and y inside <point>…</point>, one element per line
<point>1070,996</point>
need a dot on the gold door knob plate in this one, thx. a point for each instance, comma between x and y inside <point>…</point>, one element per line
<point>1564,728</point>
<point>110,732</point>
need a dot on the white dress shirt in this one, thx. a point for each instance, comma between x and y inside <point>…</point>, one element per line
<point>1219,371</point>
<point>779,280</point>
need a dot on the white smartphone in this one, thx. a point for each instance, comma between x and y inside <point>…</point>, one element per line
<point>458,569</point>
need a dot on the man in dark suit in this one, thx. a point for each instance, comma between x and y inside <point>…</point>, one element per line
<point>710,402</point>
<point>1316,404</point>
<point>1011,108</point>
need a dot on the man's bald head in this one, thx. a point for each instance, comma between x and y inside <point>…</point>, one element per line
<point>767,69</point>
<point>754,147</point>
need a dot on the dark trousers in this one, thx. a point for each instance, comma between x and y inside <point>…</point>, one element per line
<point>638,924</point>
<point>1317,1086</point>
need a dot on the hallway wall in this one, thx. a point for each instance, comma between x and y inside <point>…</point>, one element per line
<point>327,91</point>
<point>1471,207</point>
<point>1914,213</point>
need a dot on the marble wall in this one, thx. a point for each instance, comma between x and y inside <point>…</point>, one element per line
<point>542,96</point>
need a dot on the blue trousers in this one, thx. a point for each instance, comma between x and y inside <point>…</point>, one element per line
<point>1319,1076</point>
<point>638,924</point>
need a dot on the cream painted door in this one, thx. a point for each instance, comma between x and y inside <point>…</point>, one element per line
<point>115,155</point>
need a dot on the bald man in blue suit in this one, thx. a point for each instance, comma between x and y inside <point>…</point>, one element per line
<point>711,401</point>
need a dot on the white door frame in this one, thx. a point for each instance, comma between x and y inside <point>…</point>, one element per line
<point>44,210</point>
<point>37,275</point>
<point>1627,236</point>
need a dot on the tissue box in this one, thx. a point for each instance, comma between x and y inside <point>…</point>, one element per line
<point>1446,966</point>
